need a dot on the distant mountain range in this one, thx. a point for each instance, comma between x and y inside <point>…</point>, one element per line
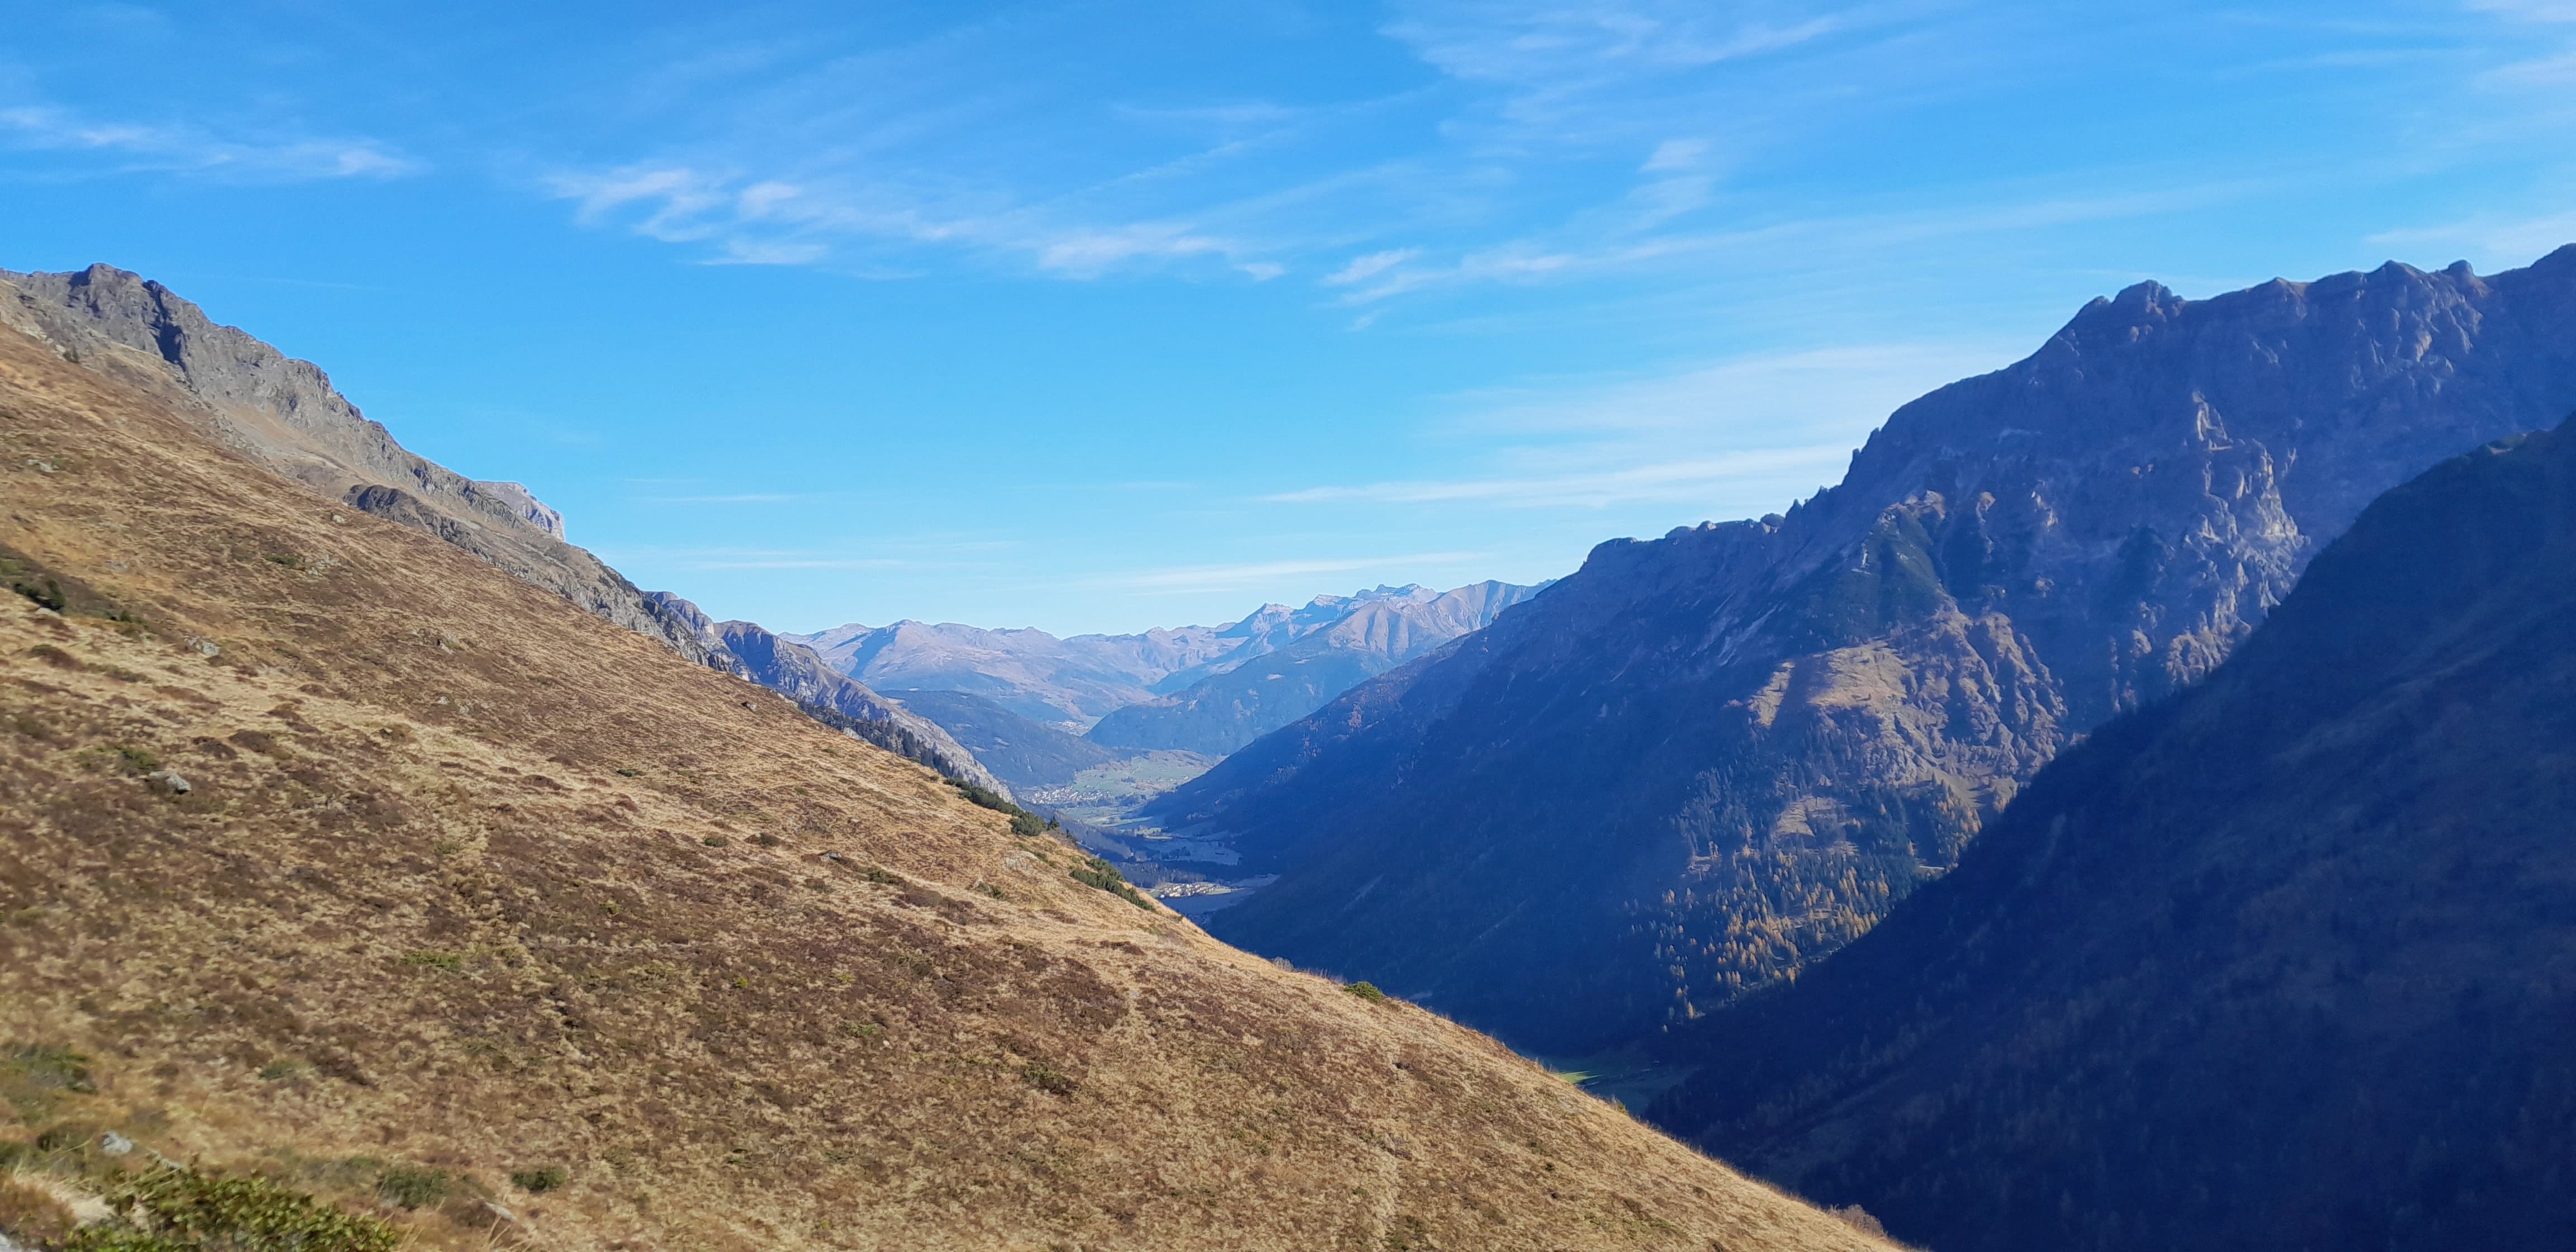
<point>1254,696</point>
<point>1704,761</point>
<point>2286,962</point>
<point>1201,689</point>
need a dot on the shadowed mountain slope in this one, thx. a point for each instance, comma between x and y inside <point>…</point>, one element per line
<point>1704,760</point>
<point>1026,754</point>
<point>2287,962</point>
<point>1225,711</point>
<point>472,894</point>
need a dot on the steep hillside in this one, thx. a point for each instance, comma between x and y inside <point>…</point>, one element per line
<point>331,851</point>
<point>2288,962</point>
<point>1705,760</point>
<point>1225,711</point>
<point>284,414</point>
<point>1025,754</point>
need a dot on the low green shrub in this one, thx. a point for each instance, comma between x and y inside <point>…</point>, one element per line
<point>414,1186</point>
<point>1366,991</point>
<point>178,1209</point>
<point>1094,872</point>
<point>537,1181</point>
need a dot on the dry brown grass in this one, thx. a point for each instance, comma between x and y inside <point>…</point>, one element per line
<point>445,893</point>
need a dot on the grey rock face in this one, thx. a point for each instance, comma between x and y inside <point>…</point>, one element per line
<point>1705,760</point>
<point>1223,712</point>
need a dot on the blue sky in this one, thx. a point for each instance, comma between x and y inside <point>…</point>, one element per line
<point>1097,316</point>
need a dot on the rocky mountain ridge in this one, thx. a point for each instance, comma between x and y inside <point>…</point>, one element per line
<point>2284,962</point>
<point>1705,760</point>
<point>285,414</point>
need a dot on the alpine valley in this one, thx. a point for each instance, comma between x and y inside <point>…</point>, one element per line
<point>380,871</point>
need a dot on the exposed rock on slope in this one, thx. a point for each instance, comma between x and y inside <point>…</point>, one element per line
<point>1704,760</point>
<point>469,883</point>
<point>1225,711</point>
<point>2286,963</point>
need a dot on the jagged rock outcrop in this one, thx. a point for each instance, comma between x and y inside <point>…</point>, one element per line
<point>1705,760</point>
<point>1227,710</point>
<point>2286,962</point>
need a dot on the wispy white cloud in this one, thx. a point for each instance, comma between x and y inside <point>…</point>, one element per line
<point>2527,10</point>
<point>1363,268</point>
<point>1733,437</point>
<point>2490,242</point>
<point>195,150</point>
<point>774,222</point>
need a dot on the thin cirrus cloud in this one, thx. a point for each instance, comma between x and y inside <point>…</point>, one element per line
<point>838,161</point>
<point>1677,438</point>
<point>772,222</point>
<point>194,150</point>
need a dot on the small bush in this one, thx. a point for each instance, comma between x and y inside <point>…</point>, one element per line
<point>137,760</point>
<point>177,1209</point>
<point>1048,1080</point>
<point>1366,991</point>
<point>1023,822</point>
<point>883,877</point>
<point>765,839</point>
<point>1094,872</point>
<point>537,1181</point>
<point>714,841</point>
<point>414,1186</point>
<point>448,961</point>
<point>630,773</point>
